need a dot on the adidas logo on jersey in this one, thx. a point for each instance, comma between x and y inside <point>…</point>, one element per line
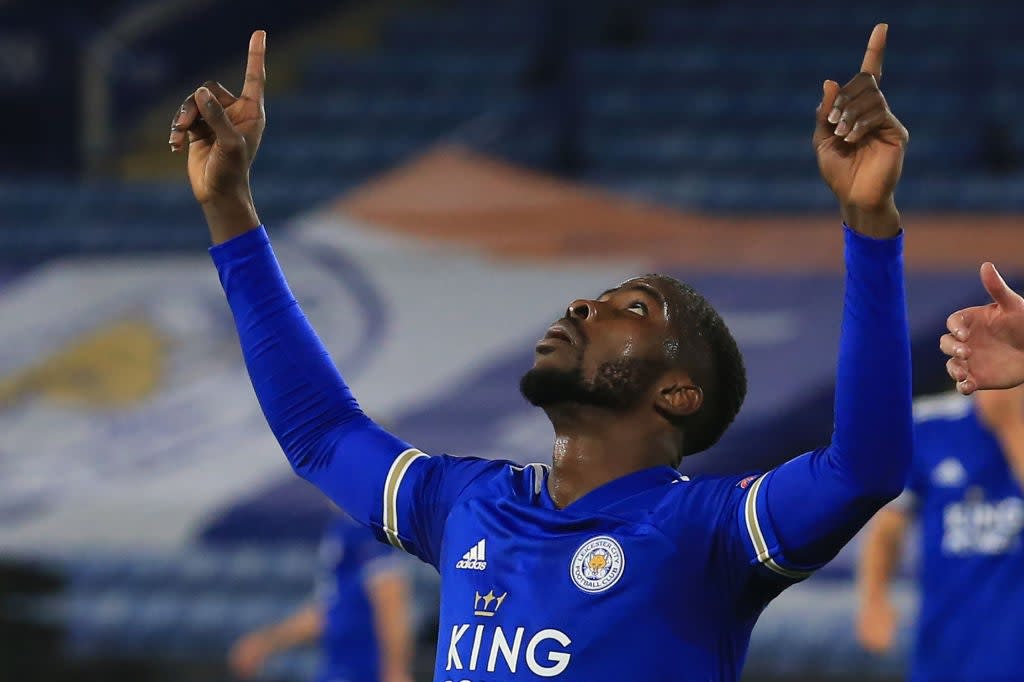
<point>476,558</point>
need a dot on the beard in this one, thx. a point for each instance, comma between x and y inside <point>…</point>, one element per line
<point>618,385</point>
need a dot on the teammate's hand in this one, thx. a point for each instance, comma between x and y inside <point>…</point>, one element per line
<point>986,343</point>
<point>248,655</point>
<point>860,145</point>
<point>876,626</point>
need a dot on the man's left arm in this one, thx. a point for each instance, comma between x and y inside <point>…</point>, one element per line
<point>798,516</point>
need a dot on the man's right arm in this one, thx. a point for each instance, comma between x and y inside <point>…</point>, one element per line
<point>377,478</point>
<point>323,432</point>
<point>380,480</point>
<point>879,559</point>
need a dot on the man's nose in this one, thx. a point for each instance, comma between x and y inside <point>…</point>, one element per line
<point>581,309</point>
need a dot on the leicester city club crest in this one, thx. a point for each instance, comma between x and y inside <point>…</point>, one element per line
<point>597,564</point>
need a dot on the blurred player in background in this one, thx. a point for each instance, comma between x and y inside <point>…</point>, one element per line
<point>986,343</point>
<point>965,490</point>
<point>606,562</point>
<point>359,616</point>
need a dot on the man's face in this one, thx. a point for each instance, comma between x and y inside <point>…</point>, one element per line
<point>607,352</point>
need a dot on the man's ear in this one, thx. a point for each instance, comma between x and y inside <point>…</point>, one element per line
<point>678,396</point>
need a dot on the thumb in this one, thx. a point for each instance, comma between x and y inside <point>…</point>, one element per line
<point>823,129</point>
<point>997,288</point>
<point>213,113</point>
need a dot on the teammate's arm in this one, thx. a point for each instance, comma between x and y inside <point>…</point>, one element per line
<point>880,557</point>
<point>388,591</point>
<point>799,515</point>
<point>251,651</point>
<point>378,479</point>
<point>985,343</point>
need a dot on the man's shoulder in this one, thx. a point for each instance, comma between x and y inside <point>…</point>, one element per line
<point>937,422</point>
<point>718,485</point>
<point>939,425</point>
<point>526,479</point>
<point>512,478</point>
<point>940,412</point>
<point>502,476</point>
<point>703,499</point>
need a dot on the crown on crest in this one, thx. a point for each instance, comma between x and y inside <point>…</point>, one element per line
<point>487,604</point>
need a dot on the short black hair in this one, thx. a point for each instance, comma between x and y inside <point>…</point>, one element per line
<point>708,352</point>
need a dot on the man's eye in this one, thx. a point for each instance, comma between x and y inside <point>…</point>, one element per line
<point>638,307</point>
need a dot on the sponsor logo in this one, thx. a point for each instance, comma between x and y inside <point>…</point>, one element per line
<point>977,526</point>
<point>476,558</point>
<point>478,647</point>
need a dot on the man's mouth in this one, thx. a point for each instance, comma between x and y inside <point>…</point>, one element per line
<point>562,332</point>
<point>559,334</point>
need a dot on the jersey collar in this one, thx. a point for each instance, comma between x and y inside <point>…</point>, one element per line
<point>618,489</point>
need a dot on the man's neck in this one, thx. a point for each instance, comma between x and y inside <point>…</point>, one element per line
<point>594,447</point>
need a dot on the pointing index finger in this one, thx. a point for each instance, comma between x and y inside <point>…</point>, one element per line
<point>255,69</point>
<point>875,53</point>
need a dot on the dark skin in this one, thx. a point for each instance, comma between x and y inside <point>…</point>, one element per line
<point>859,145</point>
<point>595,445</point>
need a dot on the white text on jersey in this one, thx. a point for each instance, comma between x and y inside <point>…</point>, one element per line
<point>491,644</point>
<point>476,558</point>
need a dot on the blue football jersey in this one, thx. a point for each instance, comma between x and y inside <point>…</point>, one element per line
<point>653,576</point>
<point>349,557</point>
<point>971,515</point>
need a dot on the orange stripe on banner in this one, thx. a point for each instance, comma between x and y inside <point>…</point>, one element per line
<point>457,197</point>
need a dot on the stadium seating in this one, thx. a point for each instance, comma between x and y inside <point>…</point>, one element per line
<point>708,106</point>
<point>194,603</point>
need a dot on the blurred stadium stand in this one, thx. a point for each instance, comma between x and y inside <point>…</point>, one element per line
<point>175,607</point>
<point>696,104</point>
<point>701,105</point>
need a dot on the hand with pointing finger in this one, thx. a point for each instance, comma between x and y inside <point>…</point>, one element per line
<point>860,145</point>
<point>222,134</point>
<point>986,342</point>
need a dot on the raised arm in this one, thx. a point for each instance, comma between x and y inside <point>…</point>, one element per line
<point>378,479</point>
<point>799,515</point>
<point>305,399</point>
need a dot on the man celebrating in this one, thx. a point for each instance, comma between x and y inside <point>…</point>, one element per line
<point>608,563</point>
